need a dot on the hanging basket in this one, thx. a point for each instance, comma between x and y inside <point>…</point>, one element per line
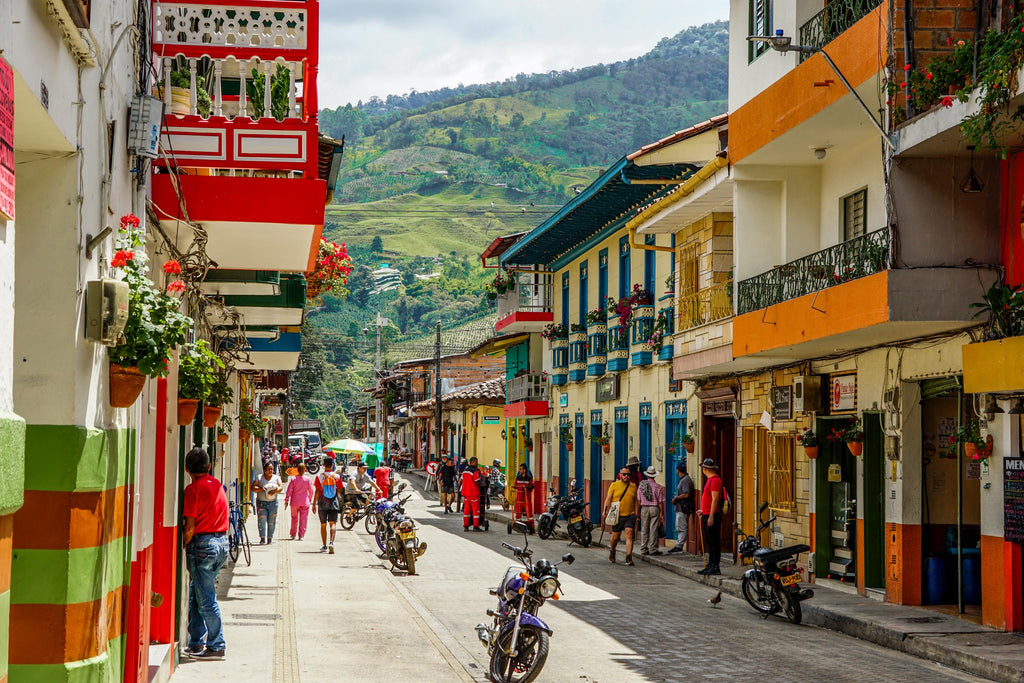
<point>690,446</point>
<point>125,385</point>
<point>606,448</point>
<point>568,445</point>
<point>210,415</point>
<point>970,450</point>
<point>222,438</point>
<point>187,409</point>
<point>856,447</point>
<point>812,451</point>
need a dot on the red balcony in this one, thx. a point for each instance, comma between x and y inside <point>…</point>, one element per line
<point>527,396</point>
<point>526,307</point>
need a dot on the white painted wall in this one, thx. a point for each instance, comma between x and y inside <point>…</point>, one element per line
<point>844,171</point>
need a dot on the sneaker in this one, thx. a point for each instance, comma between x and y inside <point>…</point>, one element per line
<point>644,552</point>
<point>210,654</point>
<point>291,538</point>
<point>673,551</point>
<point>704,571</point>
<point>330,550</point>
<point>193,651</point>
<point>629,560</point>
<point>270,541</point>
<point>657,552</point>
<point>465,528</point>
<point>713,571</point>
<point>263,541</point>
<point>323,549</point>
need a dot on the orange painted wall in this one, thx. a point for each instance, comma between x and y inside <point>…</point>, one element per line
<point>850,306</point>
<point>793,99</point>
<point>903,563</point>
<point>860,555</point>
<point>993,593</point>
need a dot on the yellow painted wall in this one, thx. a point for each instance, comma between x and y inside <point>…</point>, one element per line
<point>484,440</point>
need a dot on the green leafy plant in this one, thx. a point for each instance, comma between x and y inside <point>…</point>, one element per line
<point>181,78</point>
<point>555,331</point>
<point>527,442</point>
<point>807,438</point>
<point>155,327</point>
<point>577,327</point>
<point>969,432</point>
<point>249,418</point>
<point>564,433</point>
<point>1004,305</point>
<point>199,369</point>
<point>850,431</point>
<point>221,392</point>
<point>601,439</point>
<point>597,316</point>
<point>279,86</point>
<point>224,424</point>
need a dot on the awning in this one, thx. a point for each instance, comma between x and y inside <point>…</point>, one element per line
<point>499,246</point>
<point>496,345</point>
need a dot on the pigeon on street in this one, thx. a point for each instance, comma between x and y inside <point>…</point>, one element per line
<point>715,600</point>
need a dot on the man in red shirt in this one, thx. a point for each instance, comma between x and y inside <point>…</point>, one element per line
<point>205,509</point>
<point>471,497</point>
<point>382,475</point>
<point>711,516</point>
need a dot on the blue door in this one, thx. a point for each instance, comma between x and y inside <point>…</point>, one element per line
<point>563,468</point>
<point>621,445</point>
<point>578,445</point>
<point>645,442</point>
<point>674,453</point>
<point>595,475</point>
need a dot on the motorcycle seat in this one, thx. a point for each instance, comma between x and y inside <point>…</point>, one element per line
<point>770,555</point>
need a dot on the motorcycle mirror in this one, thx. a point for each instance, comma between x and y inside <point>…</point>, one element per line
<point>763,507</point>
<point>572,483</point>
<point>520,528</point>
<point>568,558</point>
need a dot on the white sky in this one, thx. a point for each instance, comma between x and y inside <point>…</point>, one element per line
<point>385,47</point>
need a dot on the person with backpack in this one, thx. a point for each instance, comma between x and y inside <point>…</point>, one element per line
<point>712,506</point>
<point>327,502</point>
<point>683,503</point>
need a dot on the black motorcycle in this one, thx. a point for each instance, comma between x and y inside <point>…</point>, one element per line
<point>517,640</point>
<point>569,508</point>
<point>772,585</point>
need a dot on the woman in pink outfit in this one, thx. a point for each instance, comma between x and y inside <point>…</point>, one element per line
<point>298,497</point>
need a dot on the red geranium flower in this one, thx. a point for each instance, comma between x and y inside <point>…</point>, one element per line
<point>129,220</point>
<point>172,267</point>
<point>176,286</point>
<point>946,100</point>
<point>122,257</point>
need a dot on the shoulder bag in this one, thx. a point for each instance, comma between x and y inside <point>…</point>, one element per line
<point>612,518</point>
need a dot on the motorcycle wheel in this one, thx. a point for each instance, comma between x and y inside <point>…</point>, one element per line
<point>348,519</point>
<point>397,558</point>
<point>312,467</point>
<point>790,605</point>
<point>526,666</point>
<point>581,537</point>
<point>754,596</point>
<point>545,527</point>
<point>380,538</point>
<point>371,523</point>
<point>410,561</point>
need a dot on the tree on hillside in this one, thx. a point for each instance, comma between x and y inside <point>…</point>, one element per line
<point>377,245</point>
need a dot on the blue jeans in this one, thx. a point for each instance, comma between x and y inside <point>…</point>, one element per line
<point>266,518</point>
<point>204,557</point>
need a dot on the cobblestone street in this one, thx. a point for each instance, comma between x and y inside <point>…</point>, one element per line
<point>615,623</point>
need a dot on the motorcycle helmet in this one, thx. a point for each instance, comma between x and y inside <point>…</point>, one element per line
<point>496,463</point>
<point>543,568</point>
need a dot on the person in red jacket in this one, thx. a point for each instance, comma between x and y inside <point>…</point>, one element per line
<point>471,496</point>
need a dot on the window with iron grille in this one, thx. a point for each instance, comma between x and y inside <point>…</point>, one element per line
<point>855,214</point>
<point>781,473</point>
<point>689,268</point>
<point>760,25</point>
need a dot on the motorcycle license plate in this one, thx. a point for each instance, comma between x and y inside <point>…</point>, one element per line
<point>790,580</point>
<point>407,535</point>
<point>576,519</point>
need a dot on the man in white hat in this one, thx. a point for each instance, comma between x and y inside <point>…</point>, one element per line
<point>652,511</point>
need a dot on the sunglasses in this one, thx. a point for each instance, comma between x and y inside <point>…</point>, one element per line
<point>623,474</point>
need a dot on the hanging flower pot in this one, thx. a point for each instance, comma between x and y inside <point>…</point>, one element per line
<point>856,447</point>
<point>971,450</point>
<point>125,385</point>
<point>210,415</point>
<point>243,434</point>
<point>568,445</point>
<point>222,438</point>
<point>606,447</point>
<point>187,409</point>
<point>812,451</point>
<point>690,446</point>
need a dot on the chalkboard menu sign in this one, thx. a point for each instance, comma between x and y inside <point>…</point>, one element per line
<point>1013,499</point>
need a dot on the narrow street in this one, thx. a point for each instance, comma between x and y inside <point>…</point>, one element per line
<point>297,614</point>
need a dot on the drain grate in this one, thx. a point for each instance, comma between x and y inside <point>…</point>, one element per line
<point>259,617</point>
<point>923,620</point>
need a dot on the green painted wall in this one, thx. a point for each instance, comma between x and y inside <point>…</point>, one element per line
<point>71,458</point>
<point>106,667</point>
<point>63,577</point>
<point>12,462</point>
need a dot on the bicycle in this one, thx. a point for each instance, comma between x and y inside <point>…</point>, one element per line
<point>237,535</point>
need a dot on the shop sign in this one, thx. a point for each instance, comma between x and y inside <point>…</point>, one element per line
<point>782,403</point>
<point>6,140</point>
<point>843,397</point>
<point>563,400</point>
<point>492,419</point>
<point>1013,499</point>
<point>835,473</point>
<point>606,388</point>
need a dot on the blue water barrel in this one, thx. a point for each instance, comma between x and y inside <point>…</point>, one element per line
<point>936,586</point>
<point>972,579</point>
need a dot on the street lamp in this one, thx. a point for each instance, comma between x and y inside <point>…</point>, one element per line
<point>783,43</point>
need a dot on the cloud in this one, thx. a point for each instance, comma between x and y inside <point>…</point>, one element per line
<point>382,47</point>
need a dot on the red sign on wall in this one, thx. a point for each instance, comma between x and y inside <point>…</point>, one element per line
<point>6,139</point>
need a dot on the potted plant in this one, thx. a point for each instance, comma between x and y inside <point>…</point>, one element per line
<point>687,439</point>
<point>280,82</point>
<point>554,331</point>
<point>577,328</point>
<point>641,297</point>
<point>602,440</point>
<point>976,447</point>
<point>528,443</point>
<point>670,283</point>
<point>598,316</point>
<point>224,429</point>
<point>333,265</point>
<point>249,420</point>
<point>565,435</point>
<point>851,433</point>
<point>181,84</point>
<point>198,371</point>
<point>154,327</point>
<point>221,394</point>
<point>809,440</point>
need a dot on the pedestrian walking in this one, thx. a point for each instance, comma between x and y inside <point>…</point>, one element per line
<point>205,511</point>
<point>446,480</point>
<point>267,486</point>
<point>622,492</point>
<point>382,476</point>
<point>633,465</point>
<point>711,516</point>
<point>471,513</point>
<point>683,504</point>
<point>652,512</point>
<point>327,503</point>
<point>297,498</point>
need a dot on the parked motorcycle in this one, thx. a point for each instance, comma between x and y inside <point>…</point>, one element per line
<point>773,584</point>
<point>570,508</point>
<point>386,512</point>
<point>373,518</point>
<point>311,460</point>
<point>517,640</point>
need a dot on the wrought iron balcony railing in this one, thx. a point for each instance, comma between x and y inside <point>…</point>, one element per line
<point>534,297</point>
<point>532,386</point>
<point>833,19</point>
<point>705,306</point>
<point>856,258</point>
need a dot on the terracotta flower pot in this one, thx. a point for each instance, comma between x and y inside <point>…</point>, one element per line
<point>187,409</point>
<point>971,450</point>
<point>812,451</point>
<point>125,385</point>
<point>243,434</point>
<point>690,446</point>
<point>856,447</point>
<point>210,415</point>
<point>222,438</point>
<point>606,447</point>
<point>568,445</point>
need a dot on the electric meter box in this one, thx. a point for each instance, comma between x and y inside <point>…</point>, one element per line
<point>106,310</point>
<point>144,121</point>
<point>807,396</point>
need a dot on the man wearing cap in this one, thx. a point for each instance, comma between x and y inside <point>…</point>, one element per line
<point>446,481</point>
<point>624,492</point>
<point>711,516</point>
<point>683,503</point>
<point>652,512</point>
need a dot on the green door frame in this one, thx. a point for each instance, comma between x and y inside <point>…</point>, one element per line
<point>873,538</point>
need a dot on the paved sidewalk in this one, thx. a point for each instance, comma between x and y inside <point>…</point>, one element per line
<point>920,632</point>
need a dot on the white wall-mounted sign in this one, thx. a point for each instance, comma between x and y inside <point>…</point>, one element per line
<point>843,394</point>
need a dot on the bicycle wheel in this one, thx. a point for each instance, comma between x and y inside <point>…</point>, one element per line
<point>348,519</point>
<point>371,523</point>
<point>246,547</point>
<point>233,542</point>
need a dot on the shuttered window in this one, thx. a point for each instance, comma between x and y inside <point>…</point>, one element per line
<point>760,25</point>
<point>781,474</point>
<point>855,214</point>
